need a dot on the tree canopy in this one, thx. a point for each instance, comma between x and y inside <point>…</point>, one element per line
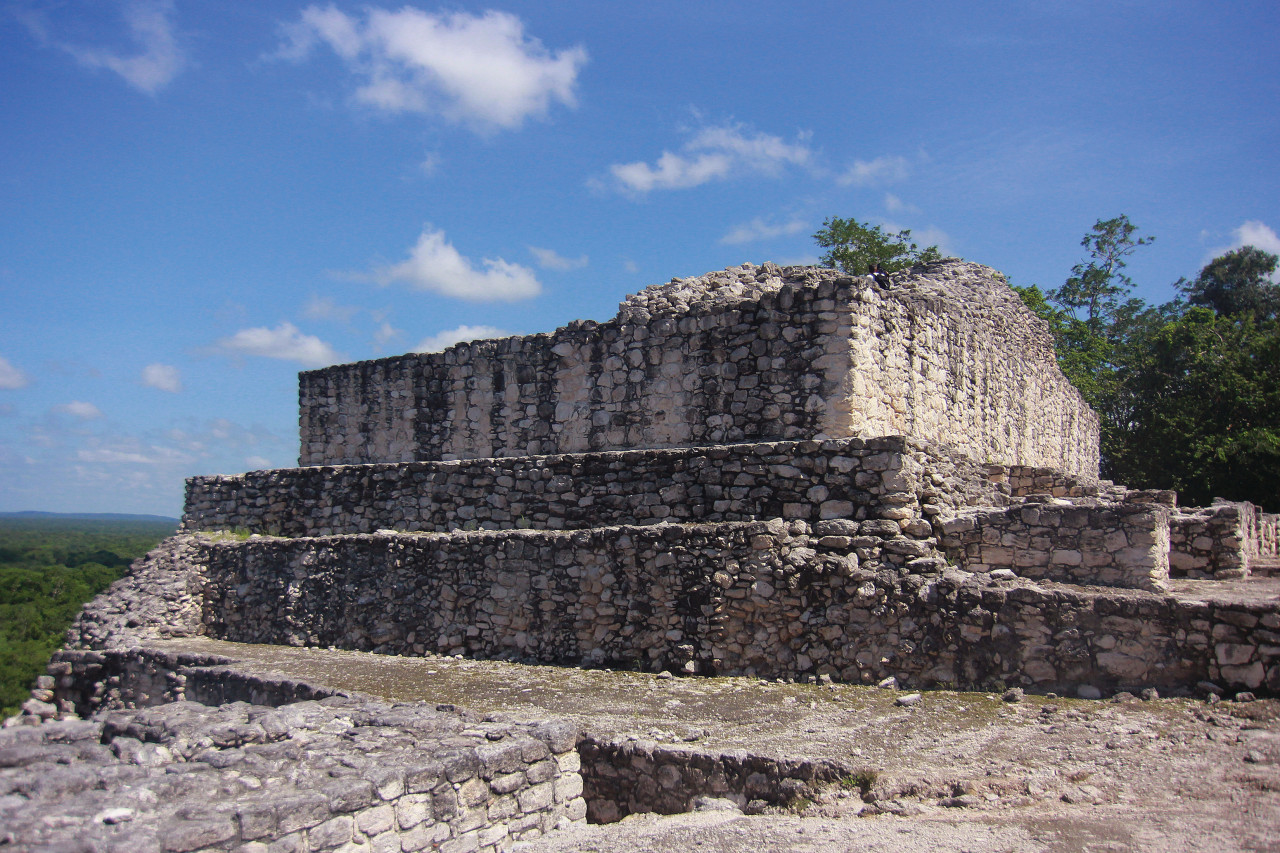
<point>853,247</point>
<point>1187,392</point>
<point>1238,282</point>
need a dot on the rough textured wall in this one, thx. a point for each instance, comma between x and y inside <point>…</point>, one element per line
<point>808,480</point>
<point>1122,545</point>
<point>946,353</point>
<point>858,601</point>
<point>342,774</point>
<point>1223,540</point>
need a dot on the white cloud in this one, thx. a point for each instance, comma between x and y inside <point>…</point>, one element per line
<point>158,58</point>
<point>630,266</point>
<point>385,334</point>
<point>482,70</point>
<point>283,342</point>
<point>79,409</point>
<point>714,153</point>
<point>162,376</point>
<point>757,229</point>
<point>893,204</point>
<point>1252,233</point>
<point>549,259</point>
<point>152,455</point>
<point>444,340</point>
<point>435,265</point>
<point>257,463</point>
<point>10,376</point>
<point>324,308</point>
<point>881,170</point>
<point>430,163</point>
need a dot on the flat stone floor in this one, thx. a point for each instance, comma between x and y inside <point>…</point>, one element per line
<point>956,771</point>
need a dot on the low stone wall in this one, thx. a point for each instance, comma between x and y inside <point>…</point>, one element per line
<point>808,480</point>
<point>1269,535</point>
<point>1110,544</point>
<point>1020,481</point>
<point>343,773</point>
<point>85,682</point>
<point>1215,541</point>
<point>629,776</point>
<point>750,599</point>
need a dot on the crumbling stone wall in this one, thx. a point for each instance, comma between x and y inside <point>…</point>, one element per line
<point>1222,540</point>
<point>630,776</point>
<point>1111,544</point>
<point>754,599</point>
<point>340,774</point>
<point>1020,481</point>
<point>945,353</point>
<point>809,480</point>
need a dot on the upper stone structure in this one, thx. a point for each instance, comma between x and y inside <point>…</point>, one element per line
<point>946,352</point>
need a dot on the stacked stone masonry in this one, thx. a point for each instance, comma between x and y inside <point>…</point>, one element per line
<point>1109,544</point>
<point>342,773</point>
<point>764,471</point>
<point>1222,540</point>
<point>847,478</point>
<point>945,353</point>
<point>761,598</point>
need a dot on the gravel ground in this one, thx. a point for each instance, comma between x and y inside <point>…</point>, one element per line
<point>953,771</point>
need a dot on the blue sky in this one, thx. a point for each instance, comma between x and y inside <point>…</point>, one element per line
<point>199,199</point>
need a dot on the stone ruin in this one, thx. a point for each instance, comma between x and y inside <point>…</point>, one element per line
<point>765,471</point>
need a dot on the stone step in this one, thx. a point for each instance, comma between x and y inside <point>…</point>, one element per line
<point>892,478</point>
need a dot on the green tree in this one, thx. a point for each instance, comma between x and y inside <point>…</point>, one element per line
<point>853,246</point>
<point>1097,284</point>
<point>1089,317</point>
<point>1237,282</point>
<point>1197,408</point>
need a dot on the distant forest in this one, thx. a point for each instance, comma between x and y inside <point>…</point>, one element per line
<point>49,566</point>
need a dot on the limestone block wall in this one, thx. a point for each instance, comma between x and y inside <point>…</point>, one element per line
<point>846,478</point>
<point>946,353</point>
<point>767,599</point>
<point>1111,544</point>
<point>628,776</point>
<point>1222,540</point>
<point>340,774</point>
<point>1020,481</point>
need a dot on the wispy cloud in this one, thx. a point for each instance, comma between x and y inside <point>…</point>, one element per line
<point>881,170</point>
<point>928,236</point>
<point>435,265</point>
<point>757,229</point>
<point>714,153</point>
<point>284,342</point>
<point>10,376</point>
<point>481,70</point>
<point>164,377</point>
<point>443,340</point>
<point>549,259</point>
<point>98,467</point>
<point>79,409</point>
<point>385,334</point>
<point>430,163</point>
<point>893,204</point>
<point>324,308</point>
<point>156,57</point>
